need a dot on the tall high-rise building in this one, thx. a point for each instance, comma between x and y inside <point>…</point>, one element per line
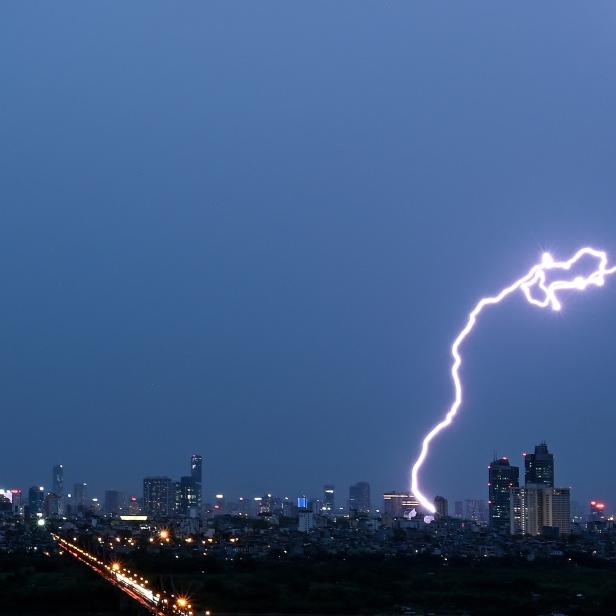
<point>80,496</point>
<point>36,499</point>
<point>539,466</point>
<point>442,506</point>
<point>329,499</point>
<point>114,502</point>
<point>501,478</point>
<point>537,508</point>
<point>196,472</point>
<point>561,510</point>
<point>133,506</point>
<point>52,505</point>
<point>158,496</point>
<point>359,497</point>
<point>57,480</point>
<point>188,493</point>
<point>196,467</point>
<point>528,509</point>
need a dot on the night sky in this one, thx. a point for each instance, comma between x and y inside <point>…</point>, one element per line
<point>252,230</point>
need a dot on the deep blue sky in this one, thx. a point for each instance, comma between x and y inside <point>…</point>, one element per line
<point>252,229</point>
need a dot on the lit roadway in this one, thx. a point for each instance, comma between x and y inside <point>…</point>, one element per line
<point>130,583</point>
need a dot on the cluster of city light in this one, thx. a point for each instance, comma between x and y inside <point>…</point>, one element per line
<point>125,577</point>
<point>535,280</point>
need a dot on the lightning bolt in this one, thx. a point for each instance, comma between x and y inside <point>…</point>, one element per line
<point>535,279</point>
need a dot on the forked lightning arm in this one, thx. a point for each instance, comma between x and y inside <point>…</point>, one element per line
<point>535,278</point>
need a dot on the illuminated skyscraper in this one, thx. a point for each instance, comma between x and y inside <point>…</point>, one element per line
<point>158,496</point>
<point>501,478</point>
<point>196,467</point>
<point>539,466</point>
<point>36,499</point>
<point>561,510</point>
<point>537,508</point>
<point>188,493</point>
<point>57,483</point>
<point>196,473</point>
<point>329,499</point>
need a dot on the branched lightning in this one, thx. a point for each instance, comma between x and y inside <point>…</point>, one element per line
<point>535,279</point>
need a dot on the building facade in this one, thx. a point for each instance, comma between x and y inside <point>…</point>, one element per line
<point>537,509</point>
<point>329,499</point>
<point>502,476</point>
<point>441,505</point>
<point>158,496</point>
<point>114,503</point>
<point>539,467</point>
<point>36,500</point>
<point>57,480</point>
<point>359,498</point>
<point>400,504</point>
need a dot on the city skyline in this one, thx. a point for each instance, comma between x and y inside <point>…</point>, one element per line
<point>538,469</point>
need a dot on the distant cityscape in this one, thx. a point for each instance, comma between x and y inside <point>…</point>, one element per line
<point>536,508</point>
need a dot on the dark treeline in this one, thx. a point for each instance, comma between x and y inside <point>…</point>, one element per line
<point>39,584</point>
<point>359,585</point>
<point>366,585</point>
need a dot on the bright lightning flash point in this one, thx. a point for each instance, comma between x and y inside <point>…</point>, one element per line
<point>535,279</point>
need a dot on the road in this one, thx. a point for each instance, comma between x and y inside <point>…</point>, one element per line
<point>129,582</point>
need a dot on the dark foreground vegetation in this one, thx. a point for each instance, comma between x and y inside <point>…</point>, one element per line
<point>372,585</point>
<point>55,585</point>
<point>37,584</point>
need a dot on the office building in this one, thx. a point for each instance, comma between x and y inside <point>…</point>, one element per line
<point>501,478</point>
<point>528,509</point>
<point>80,497</point>
<point>359,498</point>
<point>538,509</point>
<point>16,498</point>
<point>36,500</point>
<point>57,480</point>
<point>158,496</point>
<point>114,503</point>
<point>196,473</point>
<point>134,508</point>
<point>196,468</point>
<point>329,499</point>
<point>188,496</point>
<point>441,505</point>
<point>52,506</point>
<point>305,521</point>
<point>539,467</point>
<point>400,504</point>
<point>561,510</point>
